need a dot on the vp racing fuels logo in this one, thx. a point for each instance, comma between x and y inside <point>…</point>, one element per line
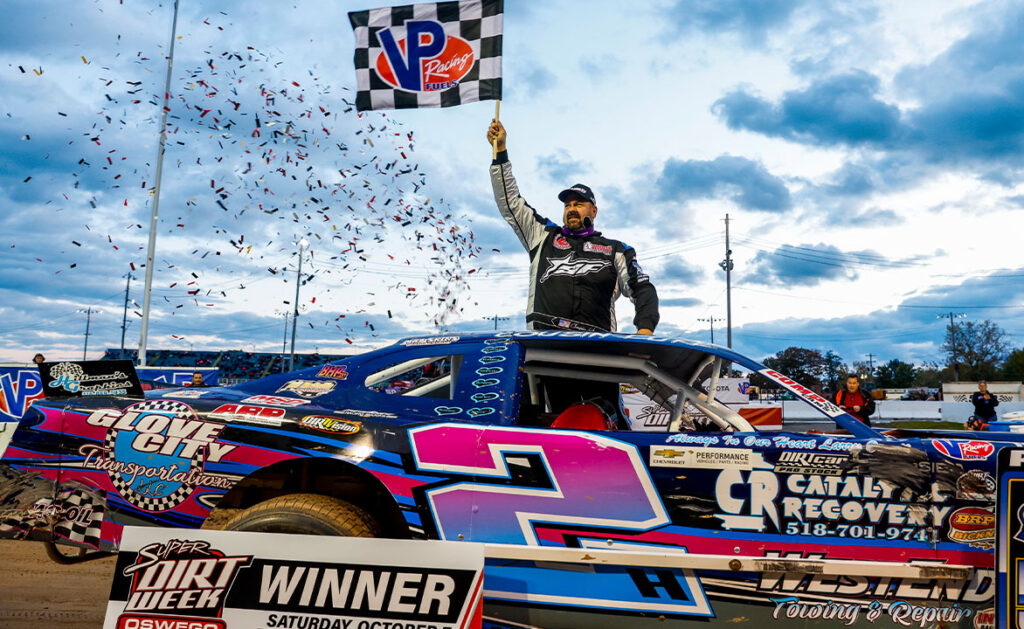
<point>570,266</point>
<point>182,578</point>
<point>155,452</point>
<point>426,60</point>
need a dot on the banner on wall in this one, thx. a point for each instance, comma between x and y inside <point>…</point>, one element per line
<point>178,376</point>
<point>238,580</point>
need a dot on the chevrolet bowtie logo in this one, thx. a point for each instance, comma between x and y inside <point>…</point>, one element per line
<point>668,454</point>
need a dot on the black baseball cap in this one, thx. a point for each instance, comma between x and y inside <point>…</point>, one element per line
<point>578,190</point>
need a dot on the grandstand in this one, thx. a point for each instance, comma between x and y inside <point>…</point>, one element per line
<point>234,365</point>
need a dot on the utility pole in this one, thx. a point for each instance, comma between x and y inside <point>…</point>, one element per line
<point>711,320</point>
<point>727,267</point>
<point>952,341</point>
<point>88,320</point>
<point>124,317</point>
<point>871,363</point>
<point>496,318</point>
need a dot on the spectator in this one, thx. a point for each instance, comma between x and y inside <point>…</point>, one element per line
<point>984,405</point>
<point>38,358</point>
<point>197,380</point>
<point>854,401</point>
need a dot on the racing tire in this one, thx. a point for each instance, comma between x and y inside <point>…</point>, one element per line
<point>306,514</point>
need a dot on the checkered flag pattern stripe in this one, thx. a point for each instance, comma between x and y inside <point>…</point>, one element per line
<point>478,22</point>
<point>86,526</point>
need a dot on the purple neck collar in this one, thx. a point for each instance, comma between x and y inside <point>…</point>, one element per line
<point>580,233</point>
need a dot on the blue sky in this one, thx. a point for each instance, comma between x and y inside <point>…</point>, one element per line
<point>868,154</point>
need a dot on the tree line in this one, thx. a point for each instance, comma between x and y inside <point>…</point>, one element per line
<point>973,351</point>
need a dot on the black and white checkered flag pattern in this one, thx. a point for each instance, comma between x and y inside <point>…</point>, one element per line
<point>477,22</point>
<point>85,519</point>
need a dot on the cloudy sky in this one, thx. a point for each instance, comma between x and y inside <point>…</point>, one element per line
<point>868,155</point>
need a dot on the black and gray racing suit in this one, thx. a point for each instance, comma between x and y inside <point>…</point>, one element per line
<point>572,278</point>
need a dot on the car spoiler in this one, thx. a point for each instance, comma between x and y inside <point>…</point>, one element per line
<point>90,378</point>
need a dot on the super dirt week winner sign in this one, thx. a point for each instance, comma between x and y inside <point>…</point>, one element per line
<point>190,579</point>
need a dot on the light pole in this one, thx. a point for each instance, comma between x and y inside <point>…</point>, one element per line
<point>727,266</point>
<point>124,315</point>
<point>295,314</point>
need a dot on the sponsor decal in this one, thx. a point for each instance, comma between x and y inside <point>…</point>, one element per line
<point>706,458</point>
<point>900,613</point>
<point>964,450</point>
<point>308,388</point>
<point>652,415</point>
<point>430,340</point>
<point>561,243</point>
<point>18,389</point>
<point>821,506</point>
<point>793,462</point>
<point>336,372</point>
<point>985,619</point>
<point>425,60</point>
<point>333,425</point>
<point>180,583</point>
<point>363,413</point>
<point>589,246</point>
<point>71,377</point>
<point>275,400</point>
<point>251,413</point>
<point>974,526</point>
<point>819,402</point>
<point>186,394</point>
<point>155,452</point>
<point>977,589</point>
<point>571,266</point>
<point>976,485</point>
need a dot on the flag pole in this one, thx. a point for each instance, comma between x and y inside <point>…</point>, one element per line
<point>494,146</point>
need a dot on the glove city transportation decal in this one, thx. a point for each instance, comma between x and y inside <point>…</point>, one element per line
<point>155,452</point>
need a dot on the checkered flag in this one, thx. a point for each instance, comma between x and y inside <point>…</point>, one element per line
<point>83,521</point>
<point>428,55</point>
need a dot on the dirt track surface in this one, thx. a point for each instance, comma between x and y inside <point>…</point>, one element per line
<point>36,592</point>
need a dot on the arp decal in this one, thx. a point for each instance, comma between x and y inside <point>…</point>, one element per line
<point>964,450</point>
<point>308,388</point>
<point>335,372</point>
<point>426,60</point>
<point>333,425</point>
<point>180,581</point>
<point>155,452</point>
<point>570,459</point>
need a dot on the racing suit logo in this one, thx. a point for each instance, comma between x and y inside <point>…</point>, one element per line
<point>571,267</point>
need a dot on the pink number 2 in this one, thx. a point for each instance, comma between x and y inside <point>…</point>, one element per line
<point>595,481</point>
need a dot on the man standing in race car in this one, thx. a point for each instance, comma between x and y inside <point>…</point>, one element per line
<point>576,274</point>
